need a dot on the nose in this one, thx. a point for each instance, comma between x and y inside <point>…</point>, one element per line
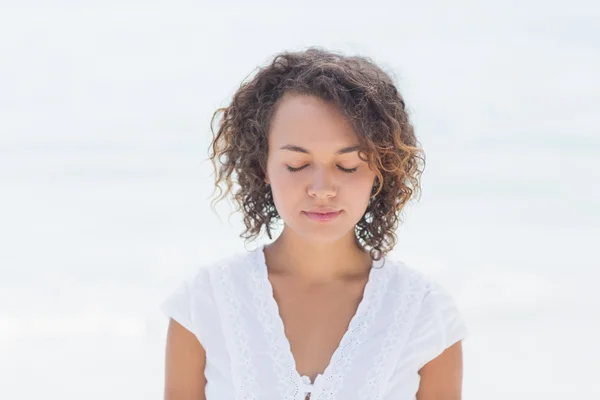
<point>322,185</point>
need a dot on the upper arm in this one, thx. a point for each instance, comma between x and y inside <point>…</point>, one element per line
<point>185,360</point>
<point>441,378</point>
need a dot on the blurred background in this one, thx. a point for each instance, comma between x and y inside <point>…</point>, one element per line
<point>105,208</point>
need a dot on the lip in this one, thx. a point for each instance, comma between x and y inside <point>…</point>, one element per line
<point>322,214</point>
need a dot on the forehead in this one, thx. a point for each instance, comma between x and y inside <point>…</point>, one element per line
<point>310,122</point>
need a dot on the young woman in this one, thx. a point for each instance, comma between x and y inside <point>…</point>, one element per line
<point>321,142</point>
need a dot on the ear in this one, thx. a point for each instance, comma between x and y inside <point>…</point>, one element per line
<point>267,180</point>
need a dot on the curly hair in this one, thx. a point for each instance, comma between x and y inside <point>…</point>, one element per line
<point>366,96</point>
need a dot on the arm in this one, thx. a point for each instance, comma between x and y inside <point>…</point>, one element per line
<point>184,365</point>
<point>441,378</point>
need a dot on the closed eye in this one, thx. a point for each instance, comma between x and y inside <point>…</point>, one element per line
<point>292,169</point>
<point>347,170</point>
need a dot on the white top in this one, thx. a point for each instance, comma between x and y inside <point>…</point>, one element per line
<point>403,321</point>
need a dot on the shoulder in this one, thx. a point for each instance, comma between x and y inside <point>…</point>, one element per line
<point>194,295</point>
<point>437,323</point>
<point>423,285</point>
<point>431,291</point>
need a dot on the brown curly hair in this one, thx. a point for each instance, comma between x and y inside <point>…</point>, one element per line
<point>365,94</point>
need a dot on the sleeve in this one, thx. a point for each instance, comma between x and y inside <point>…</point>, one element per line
<point>439,325</point>
<point>181,303</point>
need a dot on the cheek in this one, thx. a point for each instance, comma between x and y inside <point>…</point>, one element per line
<point>286,189</point>
<point>357,196</point>
<point>281,179</point>
<point>360,185</point>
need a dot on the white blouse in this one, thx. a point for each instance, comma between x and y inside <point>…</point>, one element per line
<point>403,321</point>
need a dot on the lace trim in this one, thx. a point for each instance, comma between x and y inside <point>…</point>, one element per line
<point>243,370</point>
<point>330,381</point>
<point>357,333</point>
<point>279,348</point>
<point>405,314</point>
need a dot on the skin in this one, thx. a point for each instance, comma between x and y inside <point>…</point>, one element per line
<point>317,270</point>
<point>185,360</point>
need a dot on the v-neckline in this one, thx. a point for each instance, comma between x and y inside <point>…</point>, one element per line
<point>349,335</point>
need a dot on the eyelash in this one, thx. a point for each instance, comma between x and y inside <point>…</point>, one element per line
<point>346,170</point>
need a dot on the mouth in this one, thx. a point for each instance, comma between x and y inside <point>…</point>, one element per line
<point>322,216</point>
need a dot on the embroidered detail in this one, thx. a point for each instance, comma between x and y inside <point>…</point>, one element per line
<point>356,334</point>
<point>330,381</point>
<point>406,293</point>
<point>279,347</point>
<point>411,292</point>
<point>243,370</point>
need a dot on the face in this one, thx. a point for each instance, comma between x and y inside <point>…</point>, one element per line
<point>313,167</point>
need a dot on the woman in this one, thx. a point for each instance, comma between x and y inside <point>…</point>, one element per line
<point>323,143</point>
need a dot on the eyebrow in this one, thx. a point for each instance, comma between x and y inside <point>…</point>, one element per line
<point>299,149</point>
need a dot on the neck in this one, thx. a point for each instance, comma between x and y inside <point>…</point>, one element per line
<point>317,262</point>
